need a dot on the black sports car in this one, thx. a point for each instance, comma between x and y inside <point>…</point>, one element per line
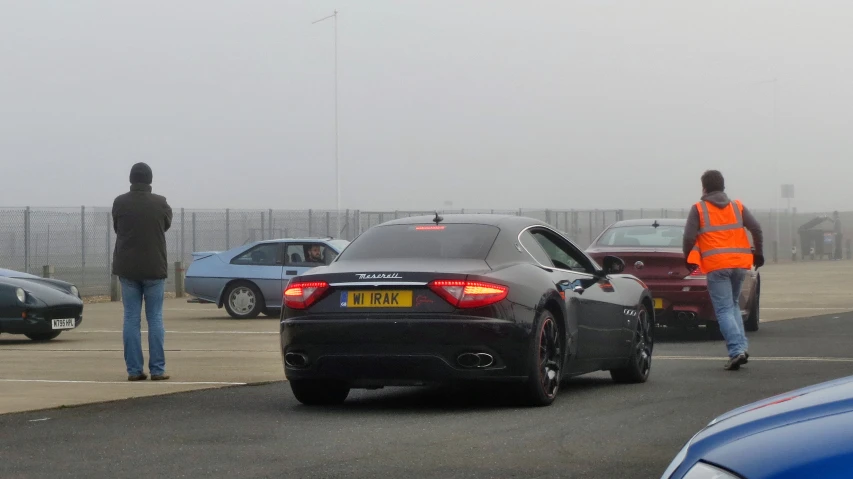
<point>426,300</point>
<point>39,308</point>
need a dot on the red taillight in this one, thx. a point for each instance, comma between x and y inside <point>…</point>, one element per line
<point>469,294</point>
<point>697,272</point>
<point>302,295</point>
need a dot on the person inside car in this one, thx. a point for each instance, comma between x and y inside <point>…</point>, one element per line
<point>314,254</point>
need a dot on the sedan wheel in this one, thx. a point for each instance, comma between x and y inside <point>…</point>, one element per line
<point>243,301</point>
<point>640,361</point>
<point>751,323</point>
<point>544,381</point>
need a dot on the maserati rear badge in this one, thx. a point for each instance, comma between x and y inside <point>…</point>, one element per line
<point>379,276</point>
<point>639,265</point>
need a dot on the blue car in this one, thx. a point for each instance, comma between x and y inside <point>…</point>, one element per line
<point>248,280</point>
<point>803,433</point>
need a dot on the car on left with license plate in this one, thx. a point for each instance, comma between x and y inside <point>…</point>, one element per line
<point>39,308</point>
<point>460,299</point>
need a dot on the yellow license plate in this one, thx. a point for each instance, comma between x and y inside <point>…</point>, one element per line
<point>379,299</point>
<point>658,303</point>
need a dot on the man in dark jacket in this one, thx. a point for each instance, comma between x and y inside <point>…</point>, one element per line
<point>140,220</point>
<point>728,259</point>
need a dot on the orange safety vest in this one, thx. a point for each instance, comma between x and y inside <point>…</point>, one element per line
<point>722,241</point>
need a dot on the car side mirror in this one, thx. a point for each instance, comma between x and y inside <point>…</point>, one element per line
<point>613,265</point>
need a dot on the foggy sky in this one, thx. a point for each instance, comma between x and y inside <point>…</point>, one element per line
<point>488,104</point>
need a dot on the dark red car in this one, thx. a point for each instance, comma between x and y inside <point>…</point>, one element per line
<point>651,249</point>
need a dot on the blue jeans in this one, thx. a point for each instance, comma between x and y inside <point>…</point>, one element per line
<point>132,294</point>
<point>724,287</point>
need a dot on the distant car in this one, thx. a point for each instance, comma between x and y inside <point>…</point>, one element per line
<point>803,433</point>
<point>432,300</point>
<point>39,308</point>
<point>652,251</point>
<point>249,280</point>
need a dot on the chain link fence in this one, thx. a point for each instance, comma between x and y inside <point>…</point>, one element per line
<point>78,242</point>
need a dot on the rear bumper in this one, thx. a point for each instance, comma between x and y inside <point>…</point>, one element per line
<point>385,352</point>
<point>689,297</point>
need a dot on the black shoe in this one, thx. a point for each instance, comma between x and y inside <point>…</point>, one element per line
<point>745,357</point>
<point>734,363</point>
<point>137,377</point>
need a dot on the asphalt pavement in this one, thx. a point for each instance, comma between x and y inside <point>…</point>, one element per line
<point>596,428</point>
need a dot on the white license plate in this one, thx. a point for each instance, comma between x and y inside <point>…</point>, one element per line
<point>63,323</point>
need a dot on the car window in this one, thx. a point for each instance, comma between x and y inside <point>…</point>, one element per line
<point>267,254</point>
<point>668,236</point>
<point>535,249</point>
<point>427,241</point>
<point>562,255</point>
<point>309,254</point>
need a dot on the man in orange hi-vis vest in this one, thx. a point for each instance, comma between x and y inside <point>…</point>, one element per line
<point>715,241</point>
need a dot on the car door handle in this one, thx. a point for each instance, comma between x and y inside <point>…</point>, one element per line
<point>290,272</point>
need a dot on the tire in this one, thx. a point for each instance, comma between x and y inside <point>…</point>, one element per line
<point>243,300</point>
<point>547,352</point>
<point>43,336</point>
<point>313,392</point>
<point>639,364</point>
<point>751,323</point>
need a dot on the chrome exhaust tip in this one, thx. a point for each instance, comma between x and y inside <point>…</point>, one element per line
<point>296,360</point>
<point>475,360</point>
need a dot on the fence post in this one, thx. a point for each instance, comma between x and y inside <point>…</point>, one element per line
<point>270,216</point>
<point>193,233</point>
<point>548,216</point>
<point>328,224</point>
<point>310,223</point>
<point>27,240</point>
<point>179,279</point>
<point>48,271</point>
<point>227,228</point>
<point>357,219</point>
<point>590,227</point>
<point>109,241</point>
<point>83,243</point>
<point>115,288</point>
<point>183,236</point>
<point>348,237</point>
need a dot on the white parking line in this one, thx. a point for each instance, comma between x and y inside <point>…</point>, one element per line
<point>753,358</point>
<point>113,350</point>
<point>177,383</point>
<point>806,309</point>
<point>177,332</point>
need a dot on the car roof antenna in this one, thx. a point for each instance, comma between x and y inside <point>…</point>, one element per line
<point>437,219</point>
<point>655,224</point>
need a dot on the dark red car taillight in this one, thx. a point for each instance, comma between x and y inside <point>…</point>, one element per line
<point>301,295</point>
<point>469,294</point>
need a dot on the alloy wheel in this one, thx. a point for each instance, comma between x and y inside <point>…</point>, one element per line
<point>550,356</point>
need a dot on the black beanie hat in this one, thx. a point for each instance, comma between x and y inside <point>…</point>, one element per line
<point>141,173</point>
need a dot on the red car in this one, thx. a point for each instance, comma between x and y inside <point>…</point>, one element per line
<point>652,251</point>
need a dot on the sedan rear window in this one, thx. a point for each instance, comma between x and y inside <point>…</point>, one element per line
<point>448,241</point>
<point>665,236</point>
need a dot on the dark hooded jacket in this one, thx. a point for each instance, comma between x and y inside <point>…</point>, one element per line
<point>141,220</point>
<point>721,200</point>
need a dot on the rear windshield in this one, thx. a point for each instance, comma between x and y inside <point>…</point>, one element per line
<point>668,236</point>
<point>449,241</point>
